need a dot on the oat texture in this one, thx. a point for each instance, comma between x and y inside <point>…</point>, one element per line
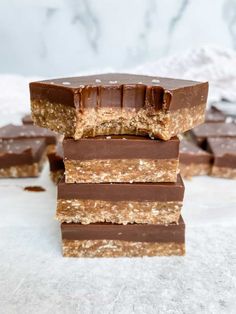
<point>91,211</point>
<point>121,170</point>
<point>117,248</point>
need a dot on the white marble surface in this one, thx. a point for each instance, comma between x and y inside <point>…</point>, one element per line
<point>60,37</point>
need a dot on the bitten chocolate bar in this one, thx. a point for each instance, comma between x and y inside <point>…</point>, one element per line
<point>193,160</point>
<point>21,158</point>
<point>56,164</point>
<point>207,130</point>
<point>11,131</point>
<point>224,152</point>
<point>113,240</point>
<point>122,203</point>
<point>121,159</point>
<point>118,104</point>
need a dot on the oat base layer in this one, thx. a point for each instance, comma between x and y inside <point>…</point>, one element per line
<point>117,248</point>
<point>23,171</point>
<point>191,170</point>
<point>104,121</point>
<point>224,172</point>
<point>121,170</point>
<point>123,212</point>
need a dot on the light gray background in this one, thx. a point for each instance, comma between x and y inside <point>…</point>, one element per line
<point>59,37</point>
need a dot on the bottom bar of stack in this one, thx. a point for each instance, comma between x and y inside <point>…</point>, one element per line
<point>117,240</point>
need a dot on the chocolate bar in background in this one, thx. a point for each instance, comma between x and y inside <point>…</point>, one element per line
<point>22,157</point>
<point>56,164</point>
<point>201,133</point>
<point>224,152</point>
<point>113,240</point>
<point>122,203</point>
<point>27,119</point>
<point>193,160</point>
<point>11,131</point>
<point>108,104</point>
<point>214,115</point>
<point>124,159</point>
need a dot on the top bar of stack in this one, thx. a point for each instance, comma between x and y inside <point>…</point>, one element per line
<point>118,104</point>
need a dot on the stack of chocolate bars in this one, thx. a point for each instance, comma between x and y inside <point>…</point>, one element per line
<point>121,194</point>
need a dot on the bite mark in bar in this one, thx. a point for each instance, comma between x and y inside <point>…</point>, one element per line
<point>118,104</point>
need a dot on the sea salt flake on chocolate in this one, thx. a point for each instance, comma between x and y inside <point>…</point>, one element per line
<point>155,81</point>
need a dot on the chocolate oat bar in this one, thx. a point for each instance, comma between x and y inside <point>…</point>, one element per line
<point>118,104</point>
<point>56,164</point>
<point>21,157</point>
<point>193,160</point>
<point>224,152</point>
<point>207,130</point>
<point>122,203</point>
<point>124,158</point>
<point>11,131</point>
<point>214,115</point>
<point>113,240</point>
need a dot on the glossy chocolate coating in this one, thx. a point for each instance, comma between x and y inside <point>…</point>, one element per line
<point>21,152</point>
<point>162,192</point>
<point>207,130</point>
<point>191,153</point>
<point>214,115</point>
<point>224,151</point>
<point>130,232</point>
<point>56,159</point>
<point>120,147</point>
<point>11,131</point>
<point>121,90</point>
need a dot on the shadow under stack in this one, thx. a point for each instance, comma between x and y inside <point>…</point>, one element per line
<point>122,193</point>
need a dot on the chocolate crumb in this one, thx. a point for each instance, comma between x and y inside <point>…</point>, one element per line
<point>34,188</point>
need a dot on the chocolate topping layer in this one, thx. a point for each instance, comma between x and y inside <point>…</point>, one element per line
<point>11,131</point>
<point>131,232</point>
<point>224,151</point>
<point>21,152</point>
<point>121,90</point>
<point>191,153</point>
<point>120,147</point>
<point>162,192</point>
<point>56,159</point>
<point>215,115</point>
<point>206,130</point>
